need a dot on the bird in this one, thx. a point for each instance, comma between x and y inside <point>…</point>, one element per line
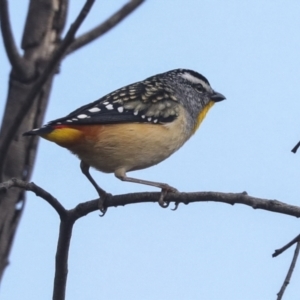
<point>134,127</point>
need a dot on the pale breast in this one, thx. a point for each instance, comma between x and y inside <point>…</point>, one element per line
<point>132,146</point>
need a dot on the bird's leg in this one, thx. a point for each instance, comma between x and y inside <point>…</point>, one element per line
<point>102,194</point>
<point>165,188</point>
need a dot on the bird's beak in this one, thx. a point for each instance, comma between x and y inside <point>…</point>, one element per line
<point>216,97</point>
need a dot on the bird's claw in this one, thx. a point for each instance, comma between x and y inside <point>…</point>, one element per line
<point>101,207</point>
<point>101,204</point>
<point>164,191</point>
<point>176,206</point>
<point>161,201</point>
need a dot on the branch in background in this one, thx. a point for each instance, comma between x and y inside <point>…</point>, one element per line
<point>50,67</point>
<point>294,150</point>
<point>105,26</point>
<point>290,272</point>
<point>18,64</point>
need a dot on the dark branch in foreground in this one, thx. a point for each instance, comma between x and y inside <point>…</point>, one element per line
<point>50,67</point>
<point>69,217</point>
<point>290,272</point>
<point>101,29</point>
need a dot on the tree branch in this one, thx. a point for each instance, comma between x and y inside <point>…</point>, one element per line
<point>30,186</point>
<point>115,19</point>
<point>18,64</point>
<point>290,272</point>
<point>50,67</point>
<point>288,245</point>
<point>294,150</point>
<point>85,208</point>
<point>61,259</point>
<point>69,217</point>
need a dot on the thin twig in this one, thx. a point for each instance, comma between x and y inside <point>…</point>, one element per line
<point>49,69</point>
<point>30,186</point>
<point>294,150</point>
<point>290,272</point>
<point>18,63</point>
<point>98,31</point>
<point>288,245</point>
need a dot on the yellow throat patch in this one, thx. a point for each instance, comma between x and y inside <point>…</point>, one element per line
<point>202,114</point>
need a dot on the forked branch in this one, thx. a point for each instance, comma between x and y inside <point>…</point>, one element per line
<point>50,67</point>
<point>101,29</point>
<point>290,272</point>
<point>69,217</point>
<point>17,62</point>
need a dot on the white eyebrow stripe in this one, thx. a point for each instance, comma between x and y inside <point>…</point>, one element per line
<point>194,79</point>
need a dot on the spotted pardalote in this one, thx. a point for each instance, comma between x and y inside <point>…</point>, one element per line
<point>135,127</point>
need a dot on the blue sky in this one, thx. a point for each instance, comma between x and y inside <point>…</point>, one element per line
<point>249,51</point>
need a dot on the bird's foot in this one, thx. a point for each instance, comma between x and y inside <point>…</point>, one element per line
<point>102,203</point>
<point>164,191</point>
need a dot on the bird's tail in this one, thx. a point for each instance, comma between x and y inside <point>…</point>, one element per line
<point>39,131</point>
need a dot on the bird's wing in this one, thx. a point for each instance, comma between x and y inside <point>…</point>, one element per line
<point>147,101</point>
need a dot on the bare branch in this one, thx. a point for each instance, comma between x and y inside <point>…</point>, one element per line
<point>50,67</point>
<point>30,186</point>
<point>17,62</point>
<point>68,218</point>
<point>95,33</point>
<point>61,259</point>
<point>229,198</point>
<point>85,208</point>
<point>290,272</point>
<point>294,150</point>
<point>288,245</point>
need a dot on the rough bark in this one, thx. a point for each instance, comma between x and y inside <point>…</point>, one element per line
<point>44,24</point>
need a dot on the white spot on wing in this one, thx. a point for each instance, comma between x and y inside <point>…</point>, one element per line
<point>74,119</point>
<point>155,121</point>
<point>69,121</point>
<point>82,116</point>
<point>94,109</point>
<point>109,107</point>
<point>143,116</point>
<point>135,112</point>
<point>149,119</point>
<point>120,109</point>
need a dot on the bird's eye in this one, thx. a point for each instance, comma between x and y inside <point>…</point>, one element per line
<point>199,87</point>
